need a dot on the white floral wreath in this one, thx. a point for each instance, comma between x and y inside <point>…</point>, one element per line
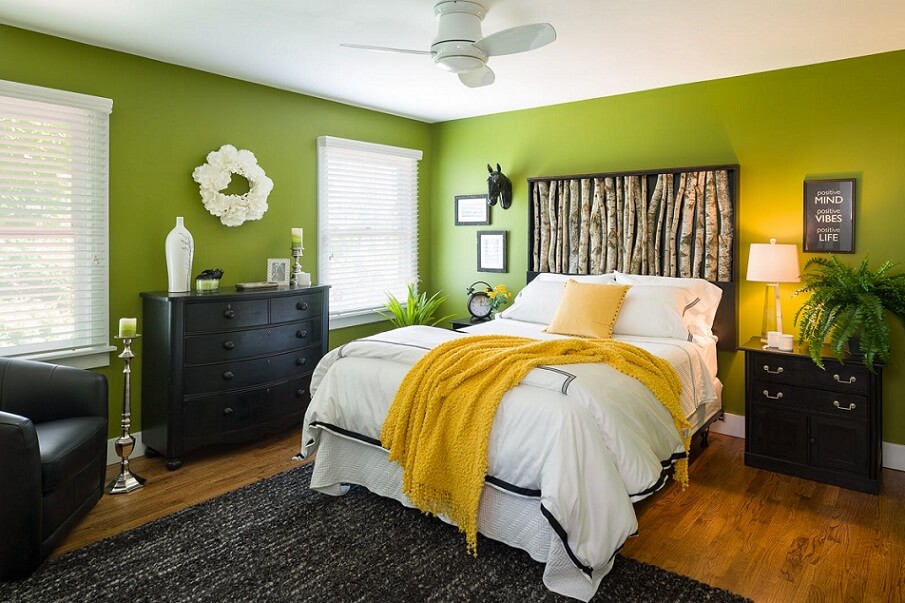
<point>214,176</point>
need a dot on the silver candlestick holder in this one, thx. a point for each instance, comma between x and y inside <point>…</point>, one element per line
<point>299,278</point>
<point>126,481</point>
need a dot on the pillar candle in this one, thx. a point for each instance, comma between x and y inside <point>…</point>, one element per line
<point>296,237</point>
<point>128,327</point>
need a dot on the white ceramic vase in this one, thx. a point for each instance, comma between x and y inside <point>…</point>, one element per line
<point>180,248</point>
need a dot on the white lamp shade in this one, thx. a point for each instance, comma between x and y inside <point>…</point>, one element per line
<point>772,263</point>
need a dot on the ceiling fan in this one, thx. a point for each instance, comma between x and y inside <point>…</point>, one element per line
<point>461,48</point>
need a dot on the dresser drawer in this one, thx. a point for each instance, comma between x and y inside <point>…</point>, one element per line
<point>236,345</point>
<point>248,373</point>
<point>296,307</point>
<point>839,404</point>
<point>210,415</point>
<point>776,368</point>
<point>218,315</point>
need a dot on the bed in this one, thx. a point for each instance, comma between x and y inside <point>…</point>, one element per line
<point>572,448</point>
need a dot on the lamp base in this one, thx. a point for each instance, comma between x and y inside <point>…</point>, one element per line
<point>772,319</point>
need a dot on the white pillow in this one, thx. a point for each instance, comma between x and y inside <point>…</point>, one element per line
<point>699,317</point>
<point>536,302</point>
<point>655,311</point>
<point>597,279</point>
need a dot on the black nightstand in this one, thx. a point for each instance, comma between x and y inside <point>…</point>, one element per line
<point>461,323</point>
<point>823,425</point>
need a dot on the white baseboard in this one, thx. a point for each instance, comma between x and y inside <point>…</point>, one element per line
<point>730,425</point>
<point>734,425</point>
<point>113,458</point>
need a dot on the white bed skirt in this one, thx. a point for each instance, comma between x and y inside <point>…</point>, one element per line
<point>504,516</point>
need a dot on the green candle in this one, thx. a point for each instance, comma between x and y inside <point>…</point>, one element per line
<point>128,327</point>
<point>296,237</point>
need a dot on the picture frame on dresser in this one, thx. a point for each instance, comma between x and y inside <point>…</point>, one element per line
<point>278,271</point>
<point>227,367</point>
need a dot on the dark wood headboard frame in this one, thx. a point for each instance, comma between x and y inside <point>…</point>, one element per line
<point>726,324</point>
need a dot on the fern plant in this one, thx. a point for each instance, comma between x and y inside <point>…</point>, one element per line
<point>417,309</point>
<point>849,302</point>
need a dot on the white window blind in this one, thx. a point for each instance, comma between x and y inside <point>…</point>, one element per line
<point>367,225</point>
<point>53,222</point>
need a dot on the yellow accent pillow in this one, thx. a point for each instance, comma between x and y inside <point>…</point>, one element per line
<point>588,310</point>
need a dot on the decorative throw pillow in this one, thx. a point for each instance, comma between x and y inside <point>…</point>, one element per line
<point>587,310</point>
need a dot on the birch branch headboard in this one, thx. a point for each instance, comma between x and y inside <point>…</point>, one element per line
<point>678,222</point>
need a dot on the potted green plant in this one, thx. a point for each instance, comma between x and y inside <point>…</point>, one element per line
<point>417,309</point>
<point>849,302</point>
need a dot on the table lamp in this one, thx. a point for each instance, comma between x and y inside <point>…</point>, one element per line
<point>772,264</point>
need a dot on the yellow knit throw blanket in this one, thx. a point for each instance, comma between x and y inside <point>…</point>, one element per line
<point>438,427</point>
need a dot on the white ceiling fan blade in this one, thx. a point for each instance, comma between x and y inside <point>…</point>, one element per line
<point>483,76</point>
<point>385,49</point>
<point>517,39</point>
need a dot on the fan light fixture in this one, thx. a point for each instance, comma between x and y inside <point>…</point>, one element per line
<point>460,46</point>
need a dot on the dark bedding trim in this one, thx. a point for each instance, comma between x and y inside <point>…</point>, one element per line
<point>531,492</point>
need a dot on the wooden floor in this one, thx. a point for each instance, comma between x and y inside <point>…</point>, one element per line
<point>767,536</point>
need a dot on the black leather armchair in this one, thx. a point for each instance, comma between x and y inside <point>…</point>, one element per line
<point>53,454</point>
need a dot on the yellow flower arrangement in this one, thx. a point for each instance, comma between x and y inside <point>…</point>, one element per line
<point>499,297</point>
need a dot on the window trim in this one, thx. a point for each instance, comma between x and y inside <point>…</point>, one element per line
<point>341,320</point>
<point>98,354</point>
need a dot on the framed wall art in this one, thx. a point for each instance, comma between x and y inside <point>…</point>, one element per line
<point>829,216</point>
<point>492,251</point>
<point>472,210</point>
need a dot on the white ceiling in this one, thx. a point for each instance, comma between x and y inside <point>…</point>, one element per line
<point>603,47</point>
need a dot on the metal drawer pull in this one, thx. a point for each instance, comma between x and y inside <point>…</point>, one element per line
<point>778,396</point>
<point>301,306</point>
<point>229,313</point>
<point>301,334</point>
<point>776,372</point>
<point>228,375</point>
<point>849,382</point>
<point>227,411</point>
<point>301,361</point>
<point>228,345</point>
<point>851,405</point>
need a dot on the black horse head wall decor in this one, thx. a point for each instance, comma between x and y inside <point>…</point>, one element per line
<point>499,187</point>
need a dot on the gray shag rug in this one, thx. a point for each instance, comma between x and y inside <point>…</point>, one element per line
<point>276,540</point>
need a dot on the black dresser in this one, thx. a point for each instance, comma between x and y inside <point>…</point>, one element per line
<point>823,425</point>
<point>227,366</point>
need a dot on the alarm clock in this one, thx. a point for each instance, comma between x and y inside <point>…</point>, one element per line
<point>479,303</point>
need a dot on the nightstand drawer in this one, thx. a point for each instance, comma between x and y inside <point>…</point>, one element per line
<point>789,396</point>
<point>777,368</point>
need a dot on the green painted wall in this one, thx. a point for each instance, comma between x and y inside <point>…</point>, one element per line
<point>841,119</point>
<point>165,120</point>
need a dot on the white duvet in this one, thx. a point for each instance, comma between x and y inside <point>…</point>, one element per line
<point>584,439</point>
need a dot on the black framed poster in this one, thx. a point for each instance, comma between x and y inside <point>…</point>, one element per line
<point>829,216</point>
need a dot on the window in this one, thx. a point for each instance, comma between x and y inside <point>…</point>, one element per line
<point>53,224</point>
<point>367,226</point>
